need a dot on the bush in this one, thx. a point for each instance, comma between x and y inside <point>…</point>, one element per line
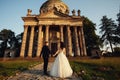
<point>116,51</point>
<point>108,54</point>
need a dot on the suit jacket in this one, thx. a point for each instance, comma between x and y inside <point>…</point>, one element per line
<point>45,51</point>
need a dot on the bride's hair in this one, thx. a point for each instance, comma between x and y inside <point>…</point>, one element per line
<point>62,45</point>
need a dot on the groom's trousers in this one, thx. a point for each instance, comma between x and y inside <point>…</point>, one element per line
<point>45,65</point>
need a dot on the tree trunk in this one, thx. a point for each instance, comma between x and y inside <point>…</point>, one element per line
<point>111,46</point>
<point>110,43</point>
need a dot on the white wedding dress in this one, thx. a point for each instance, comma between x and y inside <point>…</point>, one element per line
<point>61,67</point>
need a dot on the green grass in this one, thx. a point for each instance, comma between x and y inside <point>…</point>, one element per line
<point>107,68</point>
<point>91,67</point>
<point>8,68</point>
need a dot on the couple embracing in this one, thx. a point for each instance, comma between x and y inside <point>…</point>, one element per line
<point>60,67</point>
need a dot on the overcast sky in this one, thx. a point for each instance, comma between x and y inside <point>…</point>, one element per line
<point>11,11</point>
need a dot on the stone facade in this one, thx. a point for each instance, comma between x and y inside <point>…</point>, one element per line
<point>53,24</point>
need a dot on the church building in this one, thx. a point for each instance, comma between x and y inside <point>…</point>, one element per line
<point>53,24</point>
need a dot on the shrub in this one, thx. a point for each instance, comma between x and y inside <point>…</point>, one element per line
<point>117,51</point>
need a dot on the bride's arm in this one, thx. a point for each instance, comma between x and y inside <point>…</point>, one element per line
<point>64,51</point>
<point>56,53</point>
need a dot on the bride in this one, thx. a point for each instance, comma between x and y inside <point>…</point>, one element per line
<point>61,67</point>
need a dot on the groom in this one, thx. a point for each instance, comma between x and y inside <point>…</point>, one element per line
<point>45,54</point>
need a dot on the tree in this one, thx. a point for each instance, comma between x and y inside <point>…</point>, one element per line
<point>5,37</point>
<point>108,28</point>
<point>116,51</point>
<point>118,26</point>
<point>6,34</point>
<point>92,40</point>
<point>117,38</point>
<point>18,43</point>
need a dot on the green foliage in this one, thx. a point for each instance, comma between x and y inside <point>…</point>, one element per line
<point>5,37</point>
<point>108,31</point>
<point>117,31</point>
<point>116,51</point>
<point>8,37</point>
<point>86,77</point>
<point>118,26</point>
<point>91,39</point>
<point>6,34</point>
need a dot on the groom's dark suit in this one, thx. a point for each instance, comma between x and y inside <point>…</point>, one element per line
<point>45,54</point>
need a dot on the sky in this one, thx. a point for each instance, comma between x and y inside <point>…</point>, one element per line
<point>11,11</point>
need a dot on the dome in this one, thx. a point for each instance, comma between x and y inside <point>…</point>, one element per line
<point>56,5</point>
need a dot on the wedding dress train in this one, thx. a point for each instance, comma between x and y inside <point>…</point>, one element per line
<point>61,67</point>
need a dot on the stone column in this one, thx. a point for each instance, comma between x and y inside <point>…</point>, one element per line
<point>69,42</point>
<point>80,42</point>
<point>31,42</point>
<point>39,45</point>
<point>83,40</point>
<point>61,34</point>
<point>77,52</point>
<point>47,33</point>
<point>22,53</point>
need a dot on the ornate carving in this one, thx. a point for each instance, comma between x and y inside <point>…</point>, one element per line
<point>73,12</point>
<point>29,11</point>
<point>79,12</point>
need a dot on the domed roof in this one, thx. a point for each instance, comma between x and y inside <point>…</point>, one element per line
<point>56,5</point>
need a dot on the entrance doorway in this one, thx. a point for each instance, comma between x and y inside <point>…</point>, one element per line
<point>54,47</point>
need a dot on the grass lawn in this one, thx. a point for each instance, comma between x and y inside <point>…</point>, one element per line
<point>88,69</point>
<point>92,69</point>
<point>8,68</point>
